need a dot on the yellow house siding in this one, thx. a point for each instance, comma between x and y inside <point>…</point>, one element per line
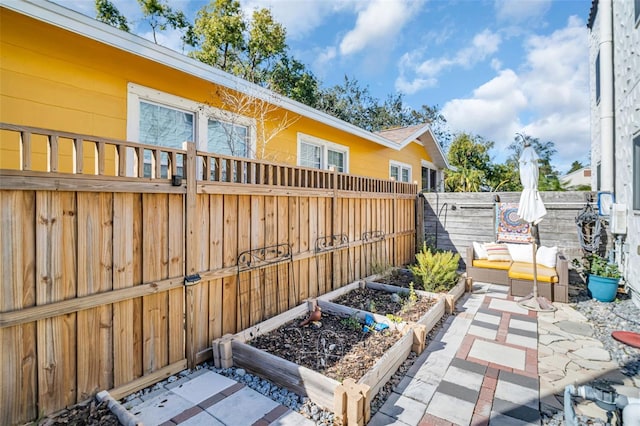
<point>56,79</point>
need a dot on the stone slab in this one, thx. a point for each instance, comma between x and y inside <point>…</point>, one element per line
<point>498,354</point>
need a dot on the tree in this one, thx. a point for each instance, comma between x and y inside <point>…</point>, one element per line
<point>109,14</point>
<point>161,16</point>
<point>576,165</point>
<point>469,156</point>
<point>270,120</point>
<point>354,104</point>
<point>291,78</point>
<point>548,176</point>
<point>265,45</point>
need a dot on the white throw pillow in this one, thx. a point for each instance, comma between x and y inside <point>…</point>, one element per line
<point>546,256</point>
<point>521,252</point>
<point>497,251</point>
<point>479,251</point>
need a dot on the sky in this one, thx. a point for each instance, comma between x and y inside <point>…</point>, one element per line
<point>494,67</point>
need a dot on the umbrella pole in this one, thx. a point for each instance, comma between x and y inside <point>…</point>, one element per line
<point>533,302</point>
<point>535,272</point>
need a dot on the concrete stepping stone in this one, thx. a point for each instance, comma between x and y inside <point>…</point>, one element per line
<point>573,327</point>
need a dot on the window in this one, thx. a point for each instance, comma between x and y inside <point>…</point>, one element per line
<point>429,179</point>
<point>598,78</point>
<point>227,138</point>
<point>320,154</point>
<point>399,172</point>
<point>158,118</point>
<point>164,126</point>
<point>636,172</point>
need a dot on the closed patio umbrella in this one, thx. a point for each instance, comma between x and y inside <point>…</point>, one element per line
<point>531,209</point>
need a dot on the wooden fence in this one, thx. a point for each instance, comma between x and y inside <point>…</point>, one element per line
<point>96,247</point>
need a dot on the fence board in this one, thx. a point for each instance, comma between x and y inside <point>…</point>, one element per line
<point>155,310</point>
<point>283,269</point>
<point>216,224</point>
<point>94,326</point>
<point>313,236</point>
<point>303,264</point>
<point>230,243</point>
<point>270,238</point>
<point>176,254</point>
<point>123,323</point>
<point>56,280</point>
<point>256,294</point>
<point>243,244</point>
<point>18,291</point>
<point>294,241</point>
<point>200,292</point>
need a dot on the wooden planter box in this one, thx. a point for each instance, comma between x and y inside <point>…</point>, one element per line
<point>421,327</point>
<point>350,400</point>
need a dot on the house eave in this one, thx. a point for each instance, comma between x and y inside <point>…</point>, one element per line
<point>439,159</point>
<point>70,20</point>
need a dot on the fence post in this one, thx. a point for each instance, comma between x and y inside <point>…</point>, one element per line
<point>190,252</point>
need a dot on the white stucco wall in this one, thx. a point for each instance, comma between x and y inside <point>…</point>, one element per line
<point>626,42</point>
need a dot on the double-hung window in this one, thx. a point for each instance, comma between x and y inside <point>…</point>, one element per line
<point>320,154</point>
<point>161,119</point>
<point>400,172</point>
<point>164,126</point>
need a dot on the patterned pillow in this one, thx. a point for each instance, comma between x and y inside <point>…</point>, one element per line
<point>497,251</point>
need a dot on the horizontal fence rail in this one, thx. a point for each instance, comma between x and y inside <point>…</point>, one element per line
<point>115,280</point>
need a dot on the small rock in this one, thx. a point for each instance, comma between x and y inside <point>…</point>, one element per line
<point>241,372</point>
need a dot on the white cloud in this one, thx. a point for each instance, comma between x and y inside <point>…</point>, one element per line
<point>299,17</point>
<point>482,46</point>
<point>378,23</point>
<point>521,10</point>
<point>551,90</point>
<point>492,111</point>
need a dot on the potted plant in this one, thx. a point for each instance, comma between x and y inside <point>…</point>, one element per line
<point>604,278</point>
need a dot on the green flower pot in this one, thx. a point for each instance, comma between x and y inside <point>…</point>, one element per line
<point>602,288</point>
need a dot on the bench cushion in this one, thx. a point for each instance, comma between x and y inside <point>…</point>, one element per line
<point>524,271</point>
<point>491,264</point>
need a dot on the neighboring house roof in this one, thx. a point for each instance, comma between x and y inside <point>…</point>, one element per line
<point>577,177</point>
<point>86,26</point>
<point>421,133</point>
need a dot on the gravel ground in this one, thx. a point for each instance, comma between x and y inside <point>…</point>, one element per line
<point>605,318</point>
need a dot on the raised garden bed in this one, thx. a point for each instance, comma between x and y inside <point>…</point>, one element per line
<point>328,363</point>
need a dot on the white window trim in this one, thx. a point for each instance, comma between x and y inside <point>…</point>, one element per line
<point>325,145</point>
<point>401,166</point>
<point>202,112</point>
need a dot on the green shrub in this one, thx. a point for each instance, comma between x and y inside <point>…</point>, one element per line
<point>437,272</point>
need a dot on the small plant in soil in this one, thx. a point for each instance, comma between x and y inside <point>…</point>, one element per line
<point>351,322</point>
<point>394,318</point>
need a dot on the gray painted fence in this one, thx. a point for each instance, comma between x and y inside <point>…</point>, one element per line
<point>453,220</point>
